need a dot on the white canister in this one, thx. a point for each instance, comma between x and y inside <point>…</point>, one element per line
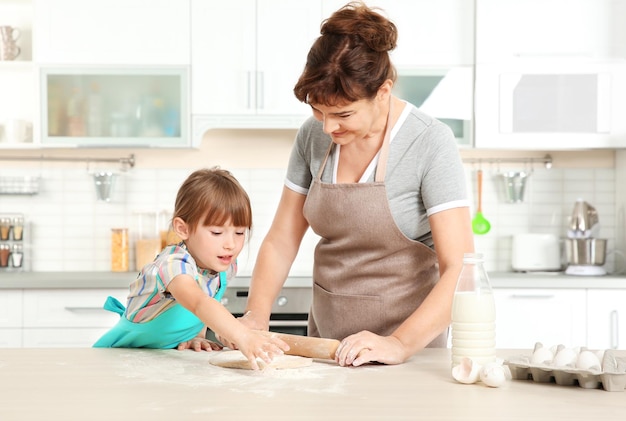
<point>15,131</point>
<point>536,252</point>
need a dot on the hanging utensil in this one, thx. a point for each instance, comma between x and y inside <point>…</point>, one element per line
<point>480,224</point>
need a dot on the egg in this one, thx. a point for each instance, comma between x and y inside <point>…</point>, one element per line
<point>565,357</point>
<point>493,375</point>
<point>588,360</point>
<point>542,355</point>
<point>467,371</point>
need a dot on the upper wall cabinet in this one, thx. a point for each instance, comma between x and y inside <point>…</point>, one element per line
<point>513,29</point>
<point>550,74</point>
<point>430,33</point>
<point>246,58</point>
<point>127,32</point>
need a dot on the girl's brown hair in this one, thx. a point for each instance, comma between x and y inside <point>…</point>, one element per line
<point>212,197</point>
<point>350,60</point>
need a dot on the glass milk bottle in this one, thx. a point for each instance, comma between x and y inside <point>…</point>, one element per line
<point>473,314</point>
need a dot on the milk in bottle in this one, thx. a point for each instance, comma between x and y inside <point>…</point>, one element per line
<point>473,314</point>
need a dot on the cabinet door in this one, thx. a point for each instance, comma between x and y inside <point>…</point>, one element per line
<point>542,28</point>
<point>11,338</point>
<point>286,30</point>
<point>430,33</point>
<point>549,316</point>
<point>223,57</point>
<point>606,319</point>
<point>111,32</point>
<point>248,55</point>
<point>11,308</point>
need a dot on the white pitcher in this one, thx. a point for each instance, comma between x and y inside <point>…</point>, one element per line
<point>9,49</point>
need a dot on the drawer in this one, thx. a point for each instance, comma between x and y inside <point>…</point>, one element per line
<point>10,308</point>
<point>10,338</point>
<point>79,337</point>
<point>70,308</point>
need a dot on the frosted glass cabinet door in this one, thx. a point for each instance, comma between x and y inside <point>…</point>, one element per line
<point>119,107</point>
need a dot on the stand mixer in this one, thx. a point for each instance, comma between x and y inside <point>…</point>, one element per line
<point>585,252</point>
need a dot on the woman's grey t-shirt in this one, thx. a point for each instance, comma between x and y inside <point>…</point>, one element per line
<point>424,170</point>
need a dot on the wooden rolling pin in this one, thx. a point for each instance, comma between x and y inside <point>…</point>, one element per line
<point>306,346</point>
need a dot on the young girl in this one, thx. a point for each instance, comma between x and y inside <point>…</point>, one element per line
<point>176,297</point>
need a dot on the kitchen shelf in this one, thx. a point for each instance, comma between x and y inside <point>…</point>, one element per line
<point>25,185</point>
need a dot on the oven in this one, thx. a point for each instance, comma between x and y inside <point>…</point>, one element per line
<point>289,312</point>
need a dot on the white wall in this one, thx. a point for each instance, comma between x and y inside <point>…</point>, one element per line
<point>71,230</point>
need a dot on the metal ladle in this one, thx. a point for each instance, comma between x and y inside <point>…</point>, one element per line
<point>480,224</point>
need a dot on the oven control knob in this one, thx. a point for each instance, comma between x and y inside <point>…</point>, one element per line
<point>224,301</point>
<point>282,301</point>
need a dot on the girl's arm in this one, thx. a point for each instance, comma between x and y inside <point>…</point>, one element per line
<point>214,315</point>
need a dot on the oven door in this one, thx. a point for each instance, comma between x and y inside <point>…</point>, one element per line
<point>289,314</point>
<point>291,323</point>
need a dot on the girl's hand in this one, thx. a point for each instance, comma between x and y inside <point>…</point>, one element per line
<point>250,322</point>
<point>365,347</point>
<point>256,345</point>
<point>199,344</point>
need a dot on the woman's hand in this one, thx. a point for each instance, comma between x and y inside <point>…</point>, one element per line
<point>365,347</point>
<point>199,344</point>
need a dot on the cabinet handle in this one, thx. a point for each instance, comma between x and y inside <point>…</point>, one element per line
<point>249,90</point>
<point>614,329</point>
<point>532,296</point>
<point>261,90</point>
<point>78,309</point>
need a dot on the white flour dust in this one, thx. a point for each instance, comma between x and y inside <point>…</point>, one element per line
<point>192,369</point>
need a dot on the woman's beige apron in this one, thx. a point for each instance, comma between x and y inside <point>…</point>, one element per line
<point>367,274</point>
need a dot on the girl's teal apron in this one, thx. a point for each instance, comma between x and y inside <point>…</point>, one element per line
<point>167,330</point>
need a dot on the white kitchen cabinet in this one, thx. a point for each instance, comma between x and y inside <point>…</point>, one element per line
<point>67,317</point>
<point>550,316</point>
<point>430,33</point>
<point>128,32</point>
<point>246,58</point>
<point>508,29</point>
<point>606,319</point>
<point>10,318</point>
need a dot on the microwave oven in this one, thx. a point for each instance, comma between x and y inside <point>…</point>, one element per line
<point>550,104</point>
<point>443,93</point>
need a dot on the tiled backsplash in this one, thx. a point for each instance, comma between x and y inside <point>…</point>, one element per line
<point>71,230</point>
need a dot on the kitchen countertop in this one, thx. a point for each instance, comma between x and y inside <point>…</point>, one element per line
<point>127,384</point>
<point>27,280</point>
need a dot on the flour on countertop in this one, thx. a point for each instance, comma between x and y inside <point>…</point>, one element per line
<point>193,369</point>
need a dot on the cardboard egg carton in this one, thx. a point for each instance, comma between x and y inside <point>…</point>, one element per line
<point>611,376</point>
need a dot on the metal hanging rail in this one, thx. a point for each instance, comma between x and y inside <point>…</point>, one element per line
<point>546,161</point>
<point>125,162</point>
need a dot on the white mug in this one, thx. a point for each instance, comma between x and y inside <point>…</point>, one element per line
<point>15,130</point>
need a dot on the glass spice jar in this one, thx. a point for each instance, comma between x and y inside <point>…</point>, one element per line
<point>18,228</point>
<point>17,255</point>
<point>5,251</point>
<point>119,249</point>
<point>5,228</point>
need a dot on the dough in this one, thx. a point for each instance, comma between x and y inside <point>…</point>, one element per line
<point>235,359</point>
